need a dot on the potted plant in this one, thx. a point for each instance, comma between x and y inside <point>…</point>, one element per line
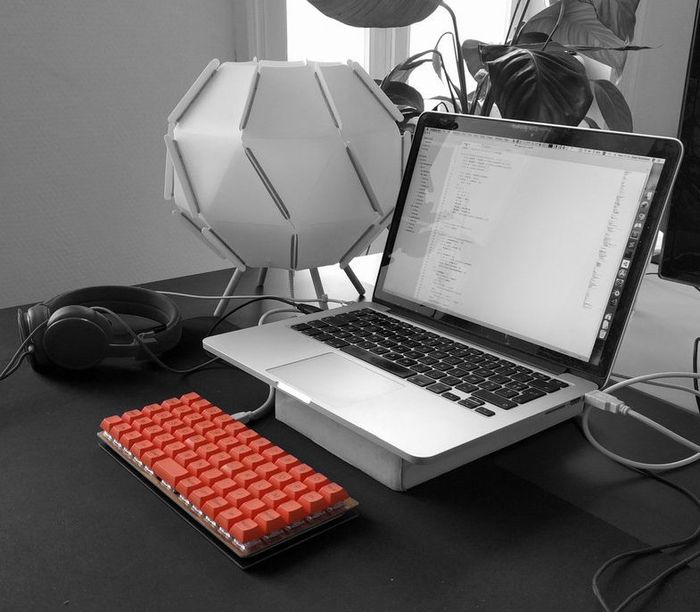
<point>542,72</point>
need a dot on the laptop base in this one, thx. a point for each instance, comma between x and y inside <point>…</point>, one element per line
<point>380,463</point>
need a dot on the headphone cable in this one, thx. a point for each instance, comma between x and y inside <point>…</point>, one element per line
<point>20,354</point>
<point>151,355</point>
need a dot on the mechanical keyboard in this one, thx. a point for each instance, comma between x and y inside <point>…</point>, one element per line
<point>247,493</point>
<point>456,371</point>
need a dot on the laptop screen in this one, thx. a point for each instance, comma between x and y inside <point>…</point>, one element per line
<point>525,233</point>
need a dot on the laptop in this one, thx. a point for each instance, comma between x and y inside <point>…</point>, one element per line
<point>510,269</point>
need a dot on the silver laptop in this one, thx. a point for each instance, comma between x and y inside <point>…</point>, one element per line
<point>510,270</point>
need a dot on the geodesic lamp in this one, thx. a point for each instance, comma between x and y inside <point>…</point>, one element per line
<point>291,165</point>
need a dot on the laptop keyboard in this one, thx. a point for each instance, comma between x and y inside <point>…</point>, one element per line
<point>456,371</point>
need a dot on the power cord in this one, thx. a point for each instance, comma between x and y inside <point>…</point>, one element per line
<point>604,400</point>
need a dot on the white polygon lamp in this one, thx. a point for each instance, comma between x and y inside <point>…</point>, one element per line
<point>291,165</point>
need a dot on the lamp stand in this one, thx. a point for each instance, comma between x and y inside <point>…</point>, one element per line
<point>262,275</point>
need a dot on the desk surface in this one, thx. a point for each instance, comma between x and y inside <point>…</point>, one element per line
<point>523,529</point>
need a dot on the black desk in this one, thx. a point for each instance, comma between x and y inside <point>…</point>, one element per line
<point>523,529</point>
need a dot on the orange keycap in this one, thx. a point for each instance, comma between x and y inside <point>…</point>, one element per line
<point>218,459</point>
<point>273,453</point>
<point>151,431</point>
<point>162,440</point>
<point>252,507</point>
<point>193,418</point>
<point>215,505</point>
<point>313,502</point>
<point>141,447</point>
<point>181,411</point>
<point>151,456</point>
<point>198,466</point>
<point>286,462</point>
<point>184,432</point>
<point>281,480</point>
<point>190,397</point>
<point>333,493</point>
<point>222,420</point>
<point>189,484</point>
<point>228,443</point>
<point>200,404</point>
<point>212,412</point>
<point>215,434</point>
<point>269,521</point>
<point>150,409</point>
<point>130,415</point>
<point>172,425</point>
<point>296,490</point>
<point>316,481</point>
<point>260,487</point>
<point>186,457</point>
<point>170,471</point>
<point>239,496</point>
<point>224,486</point>
<point>254,460</point>
<point>227,518</point>
<point>274,498</point>
<point>195,441</point>
<point>174,448</point>
<point>301,472</point>
<point>141,422</point>
<point>118,430</point>
<point>201,496</point>
<point>246,530</point>
<point>260,444</point>
<point>171,403</point>
<point>246,436</point>
<point>234,427</point>
<point>291,511</point>
<point>246,477</point>
<point>237,452</point>
<point>203,427</point>
<point>161,417</point>
<point>267,469</point>
<point>232,468</point>
<point>129,438</point>
<point>211,476</point>
<point>207,450</point>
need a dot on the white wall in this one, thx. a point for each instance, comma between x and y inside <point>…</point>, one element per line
<point>86,86</point>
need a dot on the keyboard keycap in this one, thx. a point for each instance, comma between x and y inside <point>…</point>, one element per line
<point>494,399</point>
<point>380,362</point>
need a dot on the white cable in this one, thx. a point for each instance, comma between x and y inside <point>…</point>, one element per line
<point>267,314</point>
<point>645,377</point>
<point>658,384</point>
<point>252,297</point>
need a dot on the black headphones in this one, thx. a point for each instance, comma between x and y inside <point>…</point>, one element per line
<point>70,333</point>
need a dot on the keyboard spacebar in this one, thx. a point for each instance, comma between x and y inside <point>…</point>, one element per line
<point>380,362</point>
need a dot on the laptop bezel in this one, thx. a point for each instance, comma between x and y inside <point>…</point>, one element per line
<point>598,367</point>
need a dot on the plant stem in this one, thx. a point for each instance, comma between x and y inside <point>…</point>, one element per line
<point>556,25</point>
<point>460,60</point>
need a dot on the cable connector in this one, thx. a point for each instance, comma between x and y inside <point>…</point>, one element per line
<point>605,401</point>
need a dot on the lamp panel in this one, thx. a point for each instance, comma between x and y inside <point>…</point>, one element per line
<point>289,104</point>
<point>321,244</point>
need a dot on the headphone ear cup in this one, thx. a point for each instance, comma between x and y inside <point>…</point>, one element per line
<point>77,337</point>
<point>28,322</point>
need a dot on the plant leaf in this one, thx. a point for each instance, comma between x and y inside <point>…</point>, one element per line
<point>372,14</point>
<point>549,86</point>
<point>580,26</point>
<point>591,123</point>
<point>472,56</point>
<point>612,106</point>
<point>404,96</point>
<point>618,15</point>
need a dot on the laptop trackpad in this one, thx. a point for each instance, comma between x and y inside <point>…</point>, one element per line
<point>333,379</point>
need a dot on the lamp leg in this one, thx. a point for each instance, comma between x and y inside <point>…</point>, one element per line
<point>230,288</point>
<point>262,275</point>
<point>318,287</point>
<point>354,280</point>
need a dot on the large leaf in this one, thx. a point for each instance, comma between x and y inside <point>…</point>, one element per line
<point>612,106</point>
<point>549,86</point>
<point>472,56</point>
<point>618,15</point>
<point>580,26</point>
<point>373,14</point>
<point>404,96</point>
